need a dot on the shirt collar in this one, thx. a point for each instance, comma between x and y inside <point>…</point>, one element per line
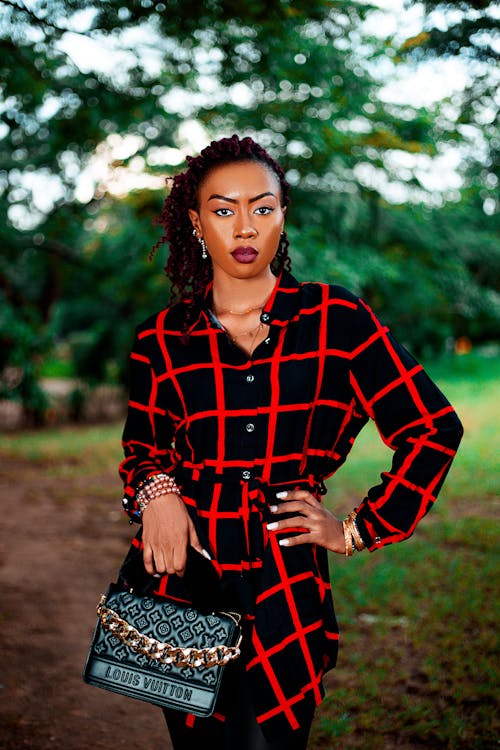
<point>278,310</point>
<point>283,302</point>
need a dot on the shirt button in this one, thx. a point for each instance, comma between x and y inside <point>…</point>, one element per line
<point>264,317</point>
<point>250,427</point>
<point>250,378</point>
<point>246,474</point>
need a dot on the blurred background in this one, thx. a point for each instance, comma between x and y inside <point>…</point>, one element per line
<point>383,114</point>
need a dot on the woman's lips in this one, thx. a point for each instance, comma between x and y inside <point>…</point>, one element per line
<point>244,254</point>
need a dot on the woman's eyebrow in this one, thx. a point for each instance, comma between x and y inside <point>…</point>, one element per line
<point>232,200</point>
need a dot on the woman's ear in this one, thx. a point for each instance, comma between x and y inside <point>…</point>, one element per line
<point>195,220</point>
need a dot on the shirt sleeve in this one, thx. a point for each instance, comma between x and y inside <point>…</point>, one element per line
<point>148,432</point>
<point>413,418</point>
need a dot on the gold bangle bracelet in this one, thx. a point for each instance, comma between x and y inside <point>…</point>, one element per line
<point>358,541</point>
<point>349,549</point>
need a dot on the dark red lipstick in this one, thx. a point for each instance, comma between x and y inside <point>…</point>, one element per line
<point>245,254</point>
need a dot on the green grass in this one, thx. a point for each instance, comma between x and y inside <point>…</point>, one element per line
<point>417,665</point>
<point>69,448</point>
<point>419,649</point>
<point>472,384</point>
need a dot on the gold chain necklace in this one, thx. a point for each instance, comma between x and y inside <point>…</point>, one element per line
<point>254,332</point>
<point>247,333</point>
<point>241,312</point>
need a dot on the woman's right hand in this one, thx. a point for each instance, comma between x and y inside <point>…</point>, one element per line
<point>167,532</point>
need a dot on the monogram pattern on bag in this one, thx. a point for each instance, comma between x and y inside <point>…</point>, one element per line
<point>185,628</point>
<point>174,658</point>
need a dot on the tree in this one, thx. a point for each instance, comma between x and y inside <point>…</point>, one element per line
<point>469,227</point>
<point>299,76</point>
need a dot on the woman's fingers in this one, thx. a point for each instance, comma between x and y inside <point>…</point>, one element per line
<point>164,559</point>
<point>290,523</point>
<point>295,506</point>
<point>308,510</point>
<point>177,561</point>
<point>195,542</point>
<point>155,560</point>
<point>320,524</point>
<point>304,495</point>
<point>165,535</point>
<point>293,541</point>
<point>168,530</point>
<point>148,558</point>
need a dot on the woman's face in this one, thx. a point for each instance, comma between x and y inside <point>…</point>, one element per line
<point>240,217</point>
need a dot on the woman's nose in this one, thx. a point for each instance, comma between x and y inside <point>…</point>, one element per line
<point>244,226</point>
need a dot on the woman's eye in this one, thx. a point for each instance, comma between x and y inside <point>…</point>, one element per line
<point>263,210</point>
<point>223,212</point>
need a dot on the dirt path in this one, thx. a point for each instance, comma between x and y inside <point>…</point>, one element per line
<point>64,536</point>
<point>62,542</point>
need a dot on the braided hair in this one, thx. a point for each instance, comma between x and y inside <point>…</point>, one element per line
<point>188,272</point>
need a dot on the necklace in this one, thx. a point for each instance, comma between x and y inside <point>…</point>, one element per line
<point>252,332</point>
<point>242,312</point>
<point>247,333</point>
<point>255,331</point>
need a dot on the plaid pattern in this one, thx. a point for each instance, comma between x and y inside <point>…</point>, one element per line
<point>235,430</point>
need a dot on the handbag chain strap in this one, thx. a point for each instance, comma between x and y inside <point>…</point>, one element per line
<point>165,653</point>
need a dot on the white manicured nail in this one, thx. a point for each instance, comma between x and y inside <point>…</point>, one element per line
<point>273,508</point>
<point>272,526</point>
<point>206,554</point>
<point>284,542</point>
<point>281,495</point>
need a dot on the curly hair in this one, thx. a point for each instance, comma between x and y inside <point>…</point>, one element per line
<point>188,272</point>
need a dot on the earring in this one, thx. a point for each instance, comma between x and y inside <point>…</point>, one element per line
<point>203,244</point>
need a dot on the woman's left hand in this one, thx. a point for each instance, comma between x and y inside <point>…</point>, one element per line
<point>322,526</point>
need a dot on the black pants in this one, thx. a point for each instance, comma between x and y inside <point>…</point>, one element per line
<point>240,731</point>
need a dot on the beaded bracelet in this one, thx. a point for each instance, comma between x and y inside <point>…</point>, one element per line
<point>158,484</point>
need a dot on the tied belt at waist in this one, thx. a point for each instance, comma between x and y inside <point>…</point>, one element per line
<point>249,478</point>
<point>255,496</point>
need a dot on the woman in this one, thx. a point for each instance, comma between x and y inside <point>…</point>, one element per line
<point>245,395</point>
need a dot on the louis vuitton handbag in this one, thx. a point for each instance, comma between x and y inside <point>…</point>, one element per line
<point>160,651</point>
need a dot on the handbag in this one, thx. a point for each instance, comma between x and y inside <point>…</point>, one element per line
<point>163,650</point>
<point>129,653</point>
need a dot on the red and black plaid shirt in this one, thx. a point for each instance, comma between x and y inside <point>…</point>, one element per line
<point>234,430</point>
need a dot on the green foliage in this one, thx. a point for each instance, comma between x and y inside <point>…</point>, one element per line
<point>472,28</point>
<point>299,77</point>
<point>115,287</point>
<point>470,32</point>
<point>23,342</point>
